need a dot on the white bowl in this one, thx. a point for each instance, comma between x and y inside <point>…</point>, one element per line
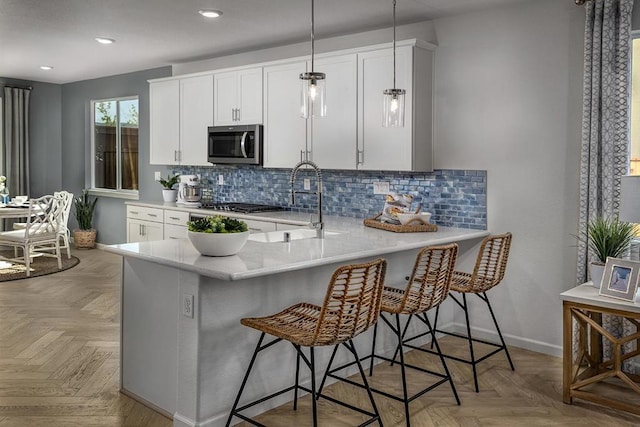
<point>414,218</point>
<point>218,244</point>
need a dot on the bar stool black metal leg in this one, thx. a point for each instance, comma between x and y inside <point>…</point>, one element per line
<point>246,377</point>
<point>465,307</point>
<point>404,377</point>
<point>373,348</point>
<point>352,349</point>
<point>444,363</point>
<point>326,373</point>
<point>435,323</point>
<point>495,322</point>
<point>295,390</point>
<point>404,333</point>
<point>314,402</point>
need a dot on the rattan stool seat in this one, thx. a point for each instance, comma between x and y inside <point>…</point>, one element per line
<point>296,324</point>
<point>351,306</point>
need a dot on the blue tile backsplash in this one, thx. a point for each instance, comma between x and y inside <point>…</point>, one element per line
<point>456,198</point>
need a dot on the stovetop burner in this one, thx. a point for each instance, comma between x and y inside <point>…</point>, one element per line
<point>240,207</point>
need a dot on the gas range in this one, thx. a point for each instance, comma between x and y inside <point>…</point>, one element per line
<point>240,207</point>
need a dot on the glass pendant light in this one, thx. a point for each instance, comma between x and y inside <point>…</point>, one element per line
<point>393,107</point>
<point>312,95</point>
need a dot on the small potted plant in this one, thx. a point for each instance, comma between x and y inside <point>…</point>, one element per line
<point>218,235</point>
<point>169,194</point>
<point>606,237</point>
<point>85,236</point>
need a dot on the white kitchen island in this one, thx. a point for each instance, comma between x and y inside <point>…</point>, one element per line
<point>190,368</point>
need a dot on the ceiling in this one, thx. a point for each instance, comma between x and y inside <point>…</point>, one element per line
<point>155,33</point>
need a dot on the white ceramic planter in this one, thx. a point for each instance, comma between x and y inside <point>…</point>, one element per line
<point>218,244</point>
<point>596,271</point>
<point>169,195</point>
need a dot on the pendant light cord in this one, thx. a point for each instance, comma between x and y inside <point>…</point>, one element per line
<point>394,45</point>
<point>312,35</point>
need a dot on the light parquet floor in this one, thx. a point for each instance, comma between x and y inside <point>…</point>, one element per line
<point>59,355</point>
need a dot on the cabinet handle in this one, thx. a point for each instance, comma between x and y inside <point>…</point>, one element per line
<point>180,155</point>
<point>301,151</point>
<point>359,156</point>
<point>238,114</point>
<point>152,215</point>
<point>174,217</point>
<point>135,212</point>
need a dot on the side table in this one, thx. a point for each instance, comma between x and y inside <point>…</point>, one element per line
<point>584,305</point>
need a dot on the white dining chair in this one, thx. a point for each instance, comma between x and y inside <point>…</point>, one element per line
<point>41,229</point>
<point>64,234</point>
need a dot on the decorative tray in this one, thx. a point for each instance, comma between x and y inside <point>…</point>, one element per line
<point>413,226</point>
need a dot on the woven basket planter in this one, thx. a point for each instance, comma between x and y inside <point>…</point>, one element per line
<point>84,239</point>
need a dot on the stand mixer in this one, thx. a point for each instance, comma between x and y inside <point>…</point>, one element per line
<point>189,191</point>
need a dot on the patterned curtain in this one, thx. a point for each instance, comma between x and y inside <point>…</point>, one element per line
<point>15,152</point>
<point>605,123</point>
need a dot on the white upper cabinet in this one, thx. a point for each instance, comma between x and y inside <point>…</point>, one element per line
<point>332,139</point>
<point>164,134</point>
<point>196,115</point>
<point>397,148</point>
<point>284,130</point>
<point>181,110</point>
<point>238,97</point>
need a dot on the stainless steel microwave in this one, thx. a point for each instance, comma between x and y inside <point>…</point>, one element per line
<point>235,144</point>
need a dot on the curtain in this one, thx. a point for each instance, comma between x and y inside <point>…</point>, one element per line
<point>15,152</point>
<point>605,123</point>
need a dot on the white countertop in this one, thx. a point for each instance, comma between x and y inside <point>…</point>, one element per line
<point>354,241</point>
<point>588,294</point>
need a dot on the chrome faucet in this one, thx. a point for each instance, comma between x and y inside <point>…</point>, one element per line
<point>319,225</point>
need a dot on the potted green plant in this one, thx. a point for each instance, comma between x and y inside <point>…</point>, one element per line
<point>606,237</point>
<point>169,194</point>
<point>85,236</point>
<point>218,235</point>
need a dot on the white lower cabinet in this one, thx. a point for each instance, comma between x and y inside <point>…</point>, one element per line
<point>175,224</point>
<point>144,223</point>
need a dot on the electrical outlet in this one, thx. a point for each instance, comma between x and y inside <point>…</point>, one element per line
<point>307,184</point>
<point>187,305</point>
<point>381,187</point>
<point>157,176</point>
<point>220,180</point>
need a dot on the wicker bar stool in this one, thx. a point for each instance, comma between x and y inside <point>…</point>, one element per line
<point>428,286</point>
<point>488,272</point>
<point>351,306</point>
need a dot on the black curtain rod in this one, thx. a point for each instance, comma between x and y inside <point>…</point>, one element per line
<point>18,87</point>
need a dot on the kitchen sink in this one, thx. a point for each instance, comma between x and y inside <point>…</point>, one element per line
<point>295,234</point>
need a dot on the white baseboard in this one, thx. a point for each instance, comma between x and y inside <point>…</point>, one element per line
<point>511,340</point>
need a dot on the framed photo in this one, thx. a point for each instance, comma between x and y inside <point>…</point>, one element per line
<point>620,279</point>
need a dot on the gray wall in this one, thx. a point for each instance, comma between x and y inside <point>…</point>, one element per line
<point>109,219</point>
<point>45,135</point>
<point>509,100</point>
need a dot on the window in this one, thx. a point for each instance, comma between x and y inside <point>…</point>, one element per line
<point>634,145</point>
<point>115,144</point>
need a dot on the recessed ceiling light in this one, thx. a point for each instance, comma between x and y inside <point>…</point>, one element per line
<point>208,13</point>
<point>46,67</point>
<point>104,40</point>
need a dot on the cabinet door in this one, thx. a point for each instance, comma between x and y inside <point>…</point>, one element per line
<point>384,148</point>
<point>225,97</point>
<point>172,231</point>
<point>196,115</point>
<point>250,96</point>
<point>333,139</point>
<point>284,129</point>
<point>164,133</point>
<point>141,231</point>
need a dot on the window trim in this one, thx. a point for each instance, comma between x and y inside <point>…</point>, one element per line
<point>107,192</point>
